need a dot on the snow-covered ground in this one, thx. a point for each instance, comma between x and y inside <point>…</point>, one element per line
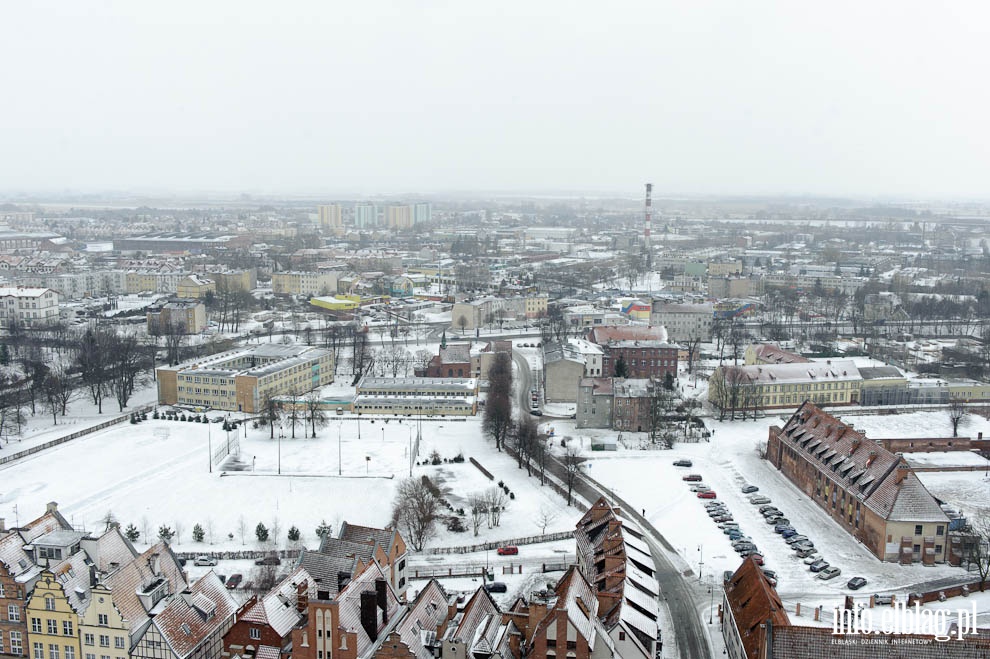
<point>648,480</point>
<point>156,473</point>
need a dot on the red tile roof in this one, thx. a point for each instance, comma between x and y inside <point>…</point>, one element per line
<point>753,602</point>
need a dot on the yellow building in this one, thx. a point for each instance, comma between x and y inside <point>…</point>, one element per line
<point>53,620</point>
<point>747,389</point>
<point>304,283</point>
<point>536,306</point>
<point>337,302</point>
<point>196,286</point>
<point>137,282</point>
<point>236,280</point>
<point>102,629</point>
<point>330,216</point>
<point>398,217</point>
<point>722,268</point>
<point>242,379</point>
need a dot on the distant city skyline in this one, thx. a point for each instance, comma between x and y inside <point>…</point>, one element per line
<point>877,100</point>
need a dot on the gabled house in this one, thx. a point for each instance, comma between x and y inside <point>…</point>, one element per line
<point>190,624</point>
<point>268,621</point>
<point>567,624</point>
<point>347,625</point>
<point>18,574</point>
<point>615,559</point>
<point>479,632</point>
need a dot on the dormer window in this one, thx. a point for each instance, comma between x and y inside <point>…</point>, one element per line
<point>49,603</point>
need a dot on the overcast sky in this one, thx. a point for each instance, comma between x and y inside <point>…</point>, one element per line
<point>849,98</point>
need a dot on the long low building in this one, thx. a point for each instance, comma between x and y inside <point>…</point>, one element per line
<point>412,396</point>
<point>242,379</point>
<point>870,492</point>
<point>746,389</point>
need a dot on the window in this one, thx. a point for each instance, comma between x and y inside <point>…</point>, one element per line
<point>917,529</point>
<point>104,641</point>
<point>1,641</point>
<point>13,613</point>
<point>938,549</point>
<point>939,530</point>
<point>52,626</point>
<point>118,642</point>
<point>67,628</point>
<point>89,639</point>
<point>49,603</point>
<point>70,652</point>
<point>39,651</point>
<point>90,655</point>
<point>35,625</point>
<point>1,590</point>
<point>53,651</point>
<point>622,636</point>
<point>16,647</point>
<point>102,619</point>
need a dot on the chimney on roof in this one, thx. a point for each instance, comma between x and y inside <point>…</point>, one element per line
<point>871,458</point>
<point>3,526</point>
<point>343,578</point>
<point>855,442</point>
<point>52,507</point>
<point>369,614</point>
<point>302,597</point>
<point>901,473</point>
<point>381,598</point>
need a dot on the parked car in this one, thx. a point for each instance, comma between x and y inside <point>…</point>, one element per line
<point>728,526</point>
<point>234,581</point>
<point>769,574</point>
<point>794,539</point>
<point>803,545</point>
<point>682,463</point>
<point>781,524</point>
<point>883,599</point>
<point>496,587</point>
<point>758,499</point>
<point>789,532</point>
<point>735,534</point>
<point>764,509</point>
<point>713,506</point>
<point>724,517</point>
<point>269,560</point>
<point>742,542</point>
<point>749,488</point>
<point>700,487</point>
<point>757,557</point>
<point>710,494</point>
<point>806,552</point>
<point>856,583</point>
<point>205,560</point>
<point>819,565</point>
<point>812,558</point>
<point>692,478</point>
<point>829,572</point>
<point>748,547</point>
<point>508,550</point>
<point>772,516</point>
<point>749,552</point>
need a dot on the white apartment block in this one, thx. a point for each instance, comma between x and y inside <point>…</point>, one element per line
<point>684,322</point>
<point>31,307</point>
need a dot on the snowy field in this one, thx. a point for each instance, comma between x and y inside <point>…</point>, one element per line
<point>156,473</point>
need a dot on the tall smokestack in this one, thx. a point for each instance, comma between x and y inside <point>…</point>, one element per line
<point>648,222</point>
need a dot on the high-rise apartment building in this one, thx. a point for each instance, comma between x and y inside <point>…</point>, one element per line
<point>398,217</point>
<point>422,213</point>
<point>330,216</point>
<point>365,215</point>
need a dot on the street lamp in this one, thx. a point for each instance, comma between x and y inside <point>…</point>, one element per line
<point>209,446</point>
<point>281,434</point>
<point>339,426</point>
<point>701,561</point>
<point>711,601</point>
<point>410,452</point>
<point>359,426</point>
<point>383,433</point>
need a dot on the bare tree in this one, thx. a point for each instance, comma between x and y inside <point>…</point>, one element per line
<point>125,367</point>
<point>479,511</point>
<point>315,414</point>
<point>179,528</point>
<point>242,527</point>
<point>526,436</point>
<point>293,411</point>
<point>496,501</point>
<point>545,517</point>
<point>271,412</point>
<point>94,363</point>
<point>571,461</point>
<point>976,545</point>
<point>498,408</point>
<point>957,414</point>
<point>415,510</point>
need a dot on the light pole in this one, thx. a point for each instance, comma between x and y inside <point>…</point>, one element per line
<point>359,426</point>
<point>711,601</point>
<point>339,426</point>
<point>209,446</point>
<point>410,452</point>
<point>701,561</point>
<point>281,434</point>
<point>383,433</point>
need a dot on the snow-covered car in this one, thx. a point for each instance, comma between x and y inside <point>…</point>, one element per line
<point>829,573</point>
<point>683,463</point>
<point>205,561</point>
<point>759,499</point>
<point>819,565</point>
<point>856,583</point>
<point>812,558</point>
<point>747,489</point>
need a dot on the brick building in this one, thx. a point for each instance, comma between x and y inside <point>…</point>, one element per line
<point>615,559</point>
<point>267,622</point>
<point>868,491</point>
<point>643,349</point>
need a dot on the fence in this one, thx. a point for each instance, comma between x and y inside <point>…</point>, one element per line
<point>480,569</point>
<point>528,540</point>
<point>227,447</point>
<point>244,554</point>
<point>81,433</point>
